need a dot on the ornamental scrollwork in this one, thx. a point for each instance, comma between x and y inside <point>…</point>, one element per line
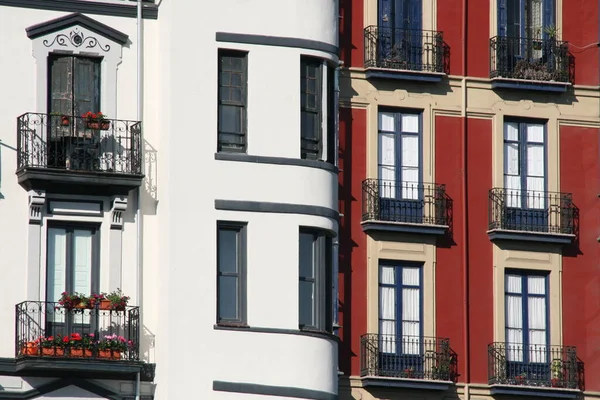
<point>77,39</point>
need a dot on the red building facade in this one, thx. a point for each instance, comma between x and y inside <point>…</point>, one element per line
<point>469,150</point>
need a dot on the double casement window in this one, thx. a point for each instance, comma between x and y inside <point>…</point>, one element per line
<point>231,273</point>
<point>400,166</point>
<point>526,319</point>
<point>527,19</point>
<point>233,87</point>
<point>315,290</point>
<point>399,34</point>
<point>525,175</point>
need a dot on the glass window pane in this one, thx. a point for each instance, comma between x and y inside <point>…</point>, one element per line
<point>410,123</point>
<point>513,284</point>
<point>306,303</point>
<point>536,285</point>
<point>228,297</point>
<point>511,131</point>
<point>228,250</point>
<point>230,119</point>
<point>307,255</point>
<point>57,263</point>
<point>535,133</point>
<point>309,125</point>
<point>82,261</point>
<point>386,122</point>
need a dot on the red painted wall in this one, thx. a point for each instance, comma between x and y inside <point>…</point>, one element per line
<point>449,17</point>
<point>449,267</point>
<point>351,33</point>
<point>353,241</point>
<point>579,175</point>
<point>580,29</point>
<point>479,176</point>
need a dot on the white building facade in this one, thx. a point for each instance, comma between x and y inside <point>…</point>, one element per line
<point>207,194</point>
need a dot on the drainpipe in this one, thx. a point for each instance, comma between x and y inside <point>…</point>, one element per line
<point>336,241</point>
<point>465,235</point>
<point>139,190</point>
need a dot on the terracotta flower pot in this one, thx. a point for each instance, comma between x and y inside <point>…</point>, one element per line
<point>105,125</point>
<point>81,353</point>
<point>30,349</point>
<point>53,352</point>
<point>105,305</point>
<point>93,124</point>
<point>113,355</point>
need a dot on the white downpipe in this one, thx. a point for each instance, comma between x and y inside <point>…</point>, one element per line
<point>139,191</point>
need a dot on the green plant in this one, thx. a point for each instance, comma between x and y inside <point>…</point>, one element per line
<point>78,341</point>
<point>551,31</point>
<point>94,117</point>
<point>52,341</point>
<point>118,300</point>
<point>534,71</point>
<point>115,343</point>
<point>72,300</point>
<point>557,369</point>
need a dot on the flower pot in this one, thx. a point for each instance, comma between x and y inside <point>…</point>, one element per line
<point>80,353</point>
<point>105,305</point>
<point>30,349</point>
<point>105,125</point>
<point>64,120</point>
<point>53,352</point>
<point>81,305</point>
<point>93,124</point>
<point>108,354</point>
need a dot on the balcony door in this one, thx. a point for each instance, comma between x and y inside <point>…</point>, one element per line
<point>400,320</point>
<point>525,169</point>
<point>73,90</point>
<point>400,186</point>
<point>400,34</point>
<point>72,266</point>
<point>527,350</point>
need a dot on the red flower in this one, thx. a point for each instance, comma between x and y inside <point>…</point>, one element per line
<point>66,339</point>
<point>75,336</point>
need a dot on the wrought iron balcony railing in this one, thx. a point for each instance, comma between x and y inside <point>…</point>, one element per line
<point>535,365</point>
<point>46,329</point>
<point>532,211</point>
<point>410,357</point>
<point>408,202</point>
<point>64,142</point>
<point>530,59</point>
<point>405,49</point>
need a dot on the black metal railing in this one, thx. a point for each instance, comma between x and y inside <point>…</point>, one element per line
<point>530,59</point>
<point>64,142</point>
<point>535,365</point>
<point>405,49</point>
<point>46,329</point>
<point>533,211</point>
<point>410,357</point>
<point>408,202</point>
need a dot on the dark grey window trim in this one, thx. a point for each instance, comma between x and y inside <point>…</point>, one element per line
<point>277,161</point>
<point>311,143</point>
<point>300,332</point>
<point>54,25</point>
<point>240,228</point>
<point>322,270</point>
<point>232,146</point>
<point>277,41</point>
<point>281,208</point>
<point>127,9</point>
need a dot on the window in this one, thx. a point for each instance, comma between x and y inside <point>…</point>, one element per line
<point>525,175</point>
<point>72,266</point>
<point>530,19</point>
<point>400,33</point>
<point>231,273</point>
<point>400,167</point>
<point>311,119</point>
<point>526,320</point>
<point>233,86</point>
<point>315,280</point>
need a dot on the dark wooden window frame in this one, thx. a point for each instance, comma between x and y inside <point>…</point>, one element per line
<point>225,142</point>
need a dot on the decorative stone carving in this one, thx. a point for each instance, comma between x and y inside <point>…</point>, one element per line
<point>37,200</point>
<point>76,38</point>
<point>119,206</point>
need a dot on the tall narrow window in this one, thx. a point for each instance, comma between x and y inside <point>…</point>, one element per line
<point>525,19</point>
<point>311,93</point>
<point>400,34</point>
<point>314,280</point>
<point>232,101</point>
<point>400,316</point>
<point>72,266</point>
<point>526,321</point>
<point>525,176</point>
<point>231,273</point>
<point>400,167</point>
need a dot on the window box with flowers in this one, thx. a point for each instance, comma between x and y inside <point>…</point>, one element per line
<point>96,121</point>
<point>53,346</point>
<point>113,346</point>
<point>115,300</point>
<point>81,345</point>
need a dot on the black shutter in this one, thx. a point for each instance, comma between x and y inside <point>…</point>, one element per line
<point>86,85</point>
<point>60,82</point>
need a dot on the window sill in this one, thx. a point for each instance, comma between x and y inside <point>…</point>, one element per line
<point>525,84</point>
<point>301,332</point>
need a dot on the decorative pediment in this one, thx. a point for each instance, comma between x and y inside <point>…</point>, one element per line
<point>77,36</point>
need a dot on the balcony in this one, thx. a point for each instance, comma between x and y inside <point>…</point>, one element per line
<point>406,54</point>
<point>535,370</point>
<point>68,154</point>
<point>406,207</point>
<point>51,339</point>
<point>530,64</point>
<point>407,361</point>
<point>548,217</point>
